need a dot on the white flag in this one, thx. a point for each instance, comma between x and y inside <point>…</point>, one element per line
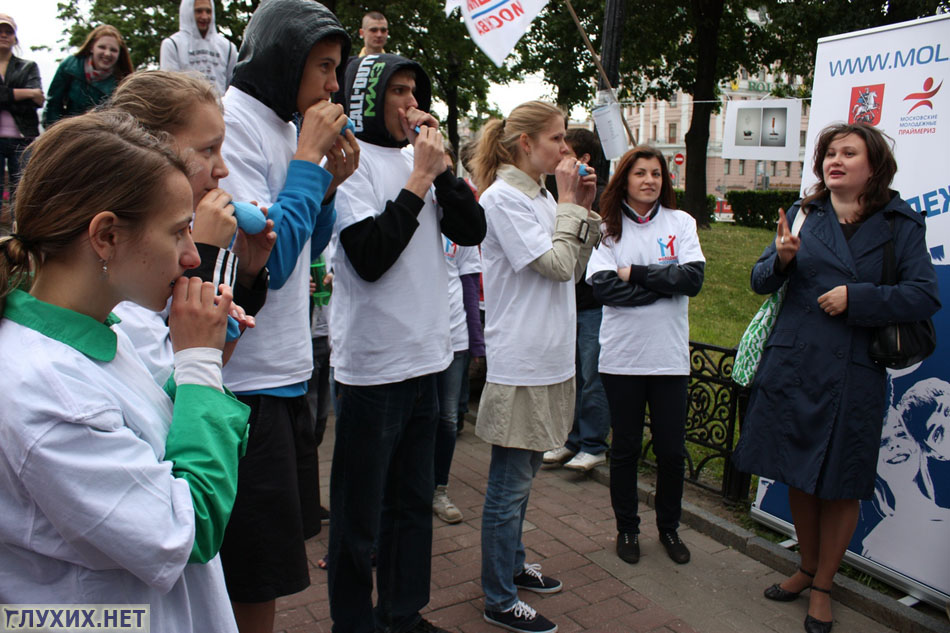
<point>496,25</point>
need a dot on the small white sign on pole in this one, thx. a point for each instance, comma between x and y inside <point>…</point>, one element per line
<point>496,25</point>
<point>762,130</point>
<point>609,124</point>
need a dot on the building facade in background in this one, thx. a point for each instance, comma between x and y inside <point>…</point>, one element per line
<point>663,124</point>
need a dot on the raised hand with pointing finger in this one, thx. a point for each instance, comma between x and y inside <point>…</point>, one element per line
<point>786,244</point>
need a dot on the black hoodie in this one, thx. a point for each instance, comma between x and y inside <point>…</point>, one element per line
<point>374,244</point>
<point>276,44</point>
<point>365,90</point>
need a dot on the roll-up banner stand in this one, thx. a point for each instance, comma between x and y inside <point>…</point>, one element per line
<point>898,79</point>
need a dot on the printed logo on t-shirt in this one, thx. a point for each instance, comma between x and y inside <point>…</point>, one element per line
<point>667,249</point>
<point>451,248</point>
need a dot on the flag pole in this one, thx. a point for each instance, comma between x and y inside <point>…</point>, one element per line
<point>600,67</point>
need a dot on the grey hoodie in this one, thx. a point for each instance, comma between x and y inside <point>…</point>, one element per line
<point>212,55</point>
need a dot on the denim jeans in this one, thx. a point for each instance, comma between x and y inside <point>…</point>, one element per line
<point>11,152</point>
<point>629,396</point>
<point>506,499</point>
<point>449,385</point>
<point>591,413</point>
<point>381,487</point>
<point>464,392</point>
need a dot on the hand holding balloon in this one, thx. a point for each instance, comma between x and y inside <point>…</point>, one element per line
<point>249,217</point>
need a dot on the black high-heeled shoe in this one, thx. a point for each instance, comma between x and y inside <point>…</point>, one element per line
<point>814,625</point>
<point>775,592</point>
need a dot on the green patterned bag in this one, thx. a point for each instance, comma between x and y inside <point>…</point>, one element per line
<point>753,339</point>
<point>752,343</point>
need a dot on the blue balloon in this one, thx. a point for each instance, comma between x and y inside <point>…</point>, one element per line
<point>249,218</point>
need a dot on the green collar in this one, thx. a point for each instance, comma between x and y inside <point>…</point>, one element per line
<point>520,181</point>
<point>81,332</point>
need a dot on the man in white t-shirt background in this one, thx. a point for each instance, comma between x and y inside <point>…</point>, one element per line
<point>389,331</point>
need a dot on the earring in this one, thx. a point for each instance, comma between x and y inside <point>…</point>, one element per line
<point>105,269</point>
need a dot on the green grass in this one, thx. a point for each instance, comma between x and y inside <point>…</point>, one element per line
<point>722,310</point>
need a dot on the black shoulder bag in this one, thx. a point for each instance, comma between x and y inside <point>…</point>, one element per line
<point>900,345</point>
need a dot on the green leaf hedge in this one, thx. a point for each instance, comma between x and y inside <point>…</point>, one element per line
<point>759,209</point>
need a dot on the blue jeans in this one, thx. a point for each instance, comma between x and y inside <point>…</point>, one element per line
<point>591,413</point>
<point>506,499</point>
<point>449,385</point>
<point>381,492</point>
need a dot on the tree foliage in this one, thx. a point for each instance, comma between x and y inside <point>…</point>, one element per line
<point>795,27</point>
<point>695,46</point>
<point>691,46</point>
<point>553,47</point>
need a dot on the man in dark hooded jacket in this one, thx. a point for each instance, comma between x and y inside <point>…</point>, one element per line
<point>288,64</point>
<point>389,330</point>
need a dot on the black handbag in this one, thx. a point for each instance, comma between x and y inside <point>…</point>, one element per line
<point>900,345</point>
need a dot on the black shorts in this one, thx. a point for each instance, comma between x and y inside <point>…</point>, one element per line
<point>277,502</point>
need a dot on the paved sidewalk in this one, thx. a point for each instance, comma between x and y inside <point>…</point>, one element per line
<point>571,532</point>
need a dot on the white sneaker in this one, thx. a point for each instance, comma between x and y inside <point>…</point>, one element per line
<point>558,455</point>
<point>585,461</point>
<point>443,507</point>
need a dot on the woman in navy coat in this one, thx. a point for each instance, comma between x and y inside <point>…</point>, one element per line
<point>817,404</point>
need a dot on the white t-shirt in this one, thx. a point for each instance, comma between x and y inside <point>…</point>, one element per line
<point>529,319</point>
<point>396,327</point>
<point>258,149</point>
<point>651,339</point>
<point>461,260</point>
<point>148,332</point>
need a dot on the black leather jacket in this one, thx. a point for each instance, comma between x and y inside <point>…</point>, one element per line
<point>21,73</point>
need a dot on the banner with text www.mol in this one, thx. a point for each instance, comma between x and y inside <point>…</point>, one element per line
<point>898,79</point>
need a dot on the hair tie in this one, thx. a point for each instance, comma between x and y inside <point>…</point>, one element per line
<point>6,251</point>
<point>27,244</point>
<point>503,123</point>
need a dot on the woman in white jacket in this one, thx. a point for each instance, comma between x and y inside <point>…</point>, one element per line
<point>113,490</point>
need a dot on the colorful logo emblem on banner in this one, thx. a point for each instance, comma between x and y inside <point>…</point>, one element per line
<point>920,99</point>
<point>866,102</point>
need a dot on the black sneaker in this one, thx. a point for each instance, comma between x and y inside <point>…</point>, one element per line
<point>424,626</point>
<point>521,618</point>
<point>532,580</point>
<point>675,547</point>
<point>628,547</point>
<point>324,515</point>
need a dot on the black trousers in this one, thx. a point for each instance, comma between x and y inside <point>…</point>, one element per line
<point>628,397</point>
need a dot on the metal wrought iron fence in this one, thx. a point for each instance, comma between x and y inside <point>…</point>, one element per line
<point>715,406</point>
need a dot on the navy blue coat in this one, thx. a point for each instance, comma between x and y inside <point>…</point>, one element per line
<point>817,403</point>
